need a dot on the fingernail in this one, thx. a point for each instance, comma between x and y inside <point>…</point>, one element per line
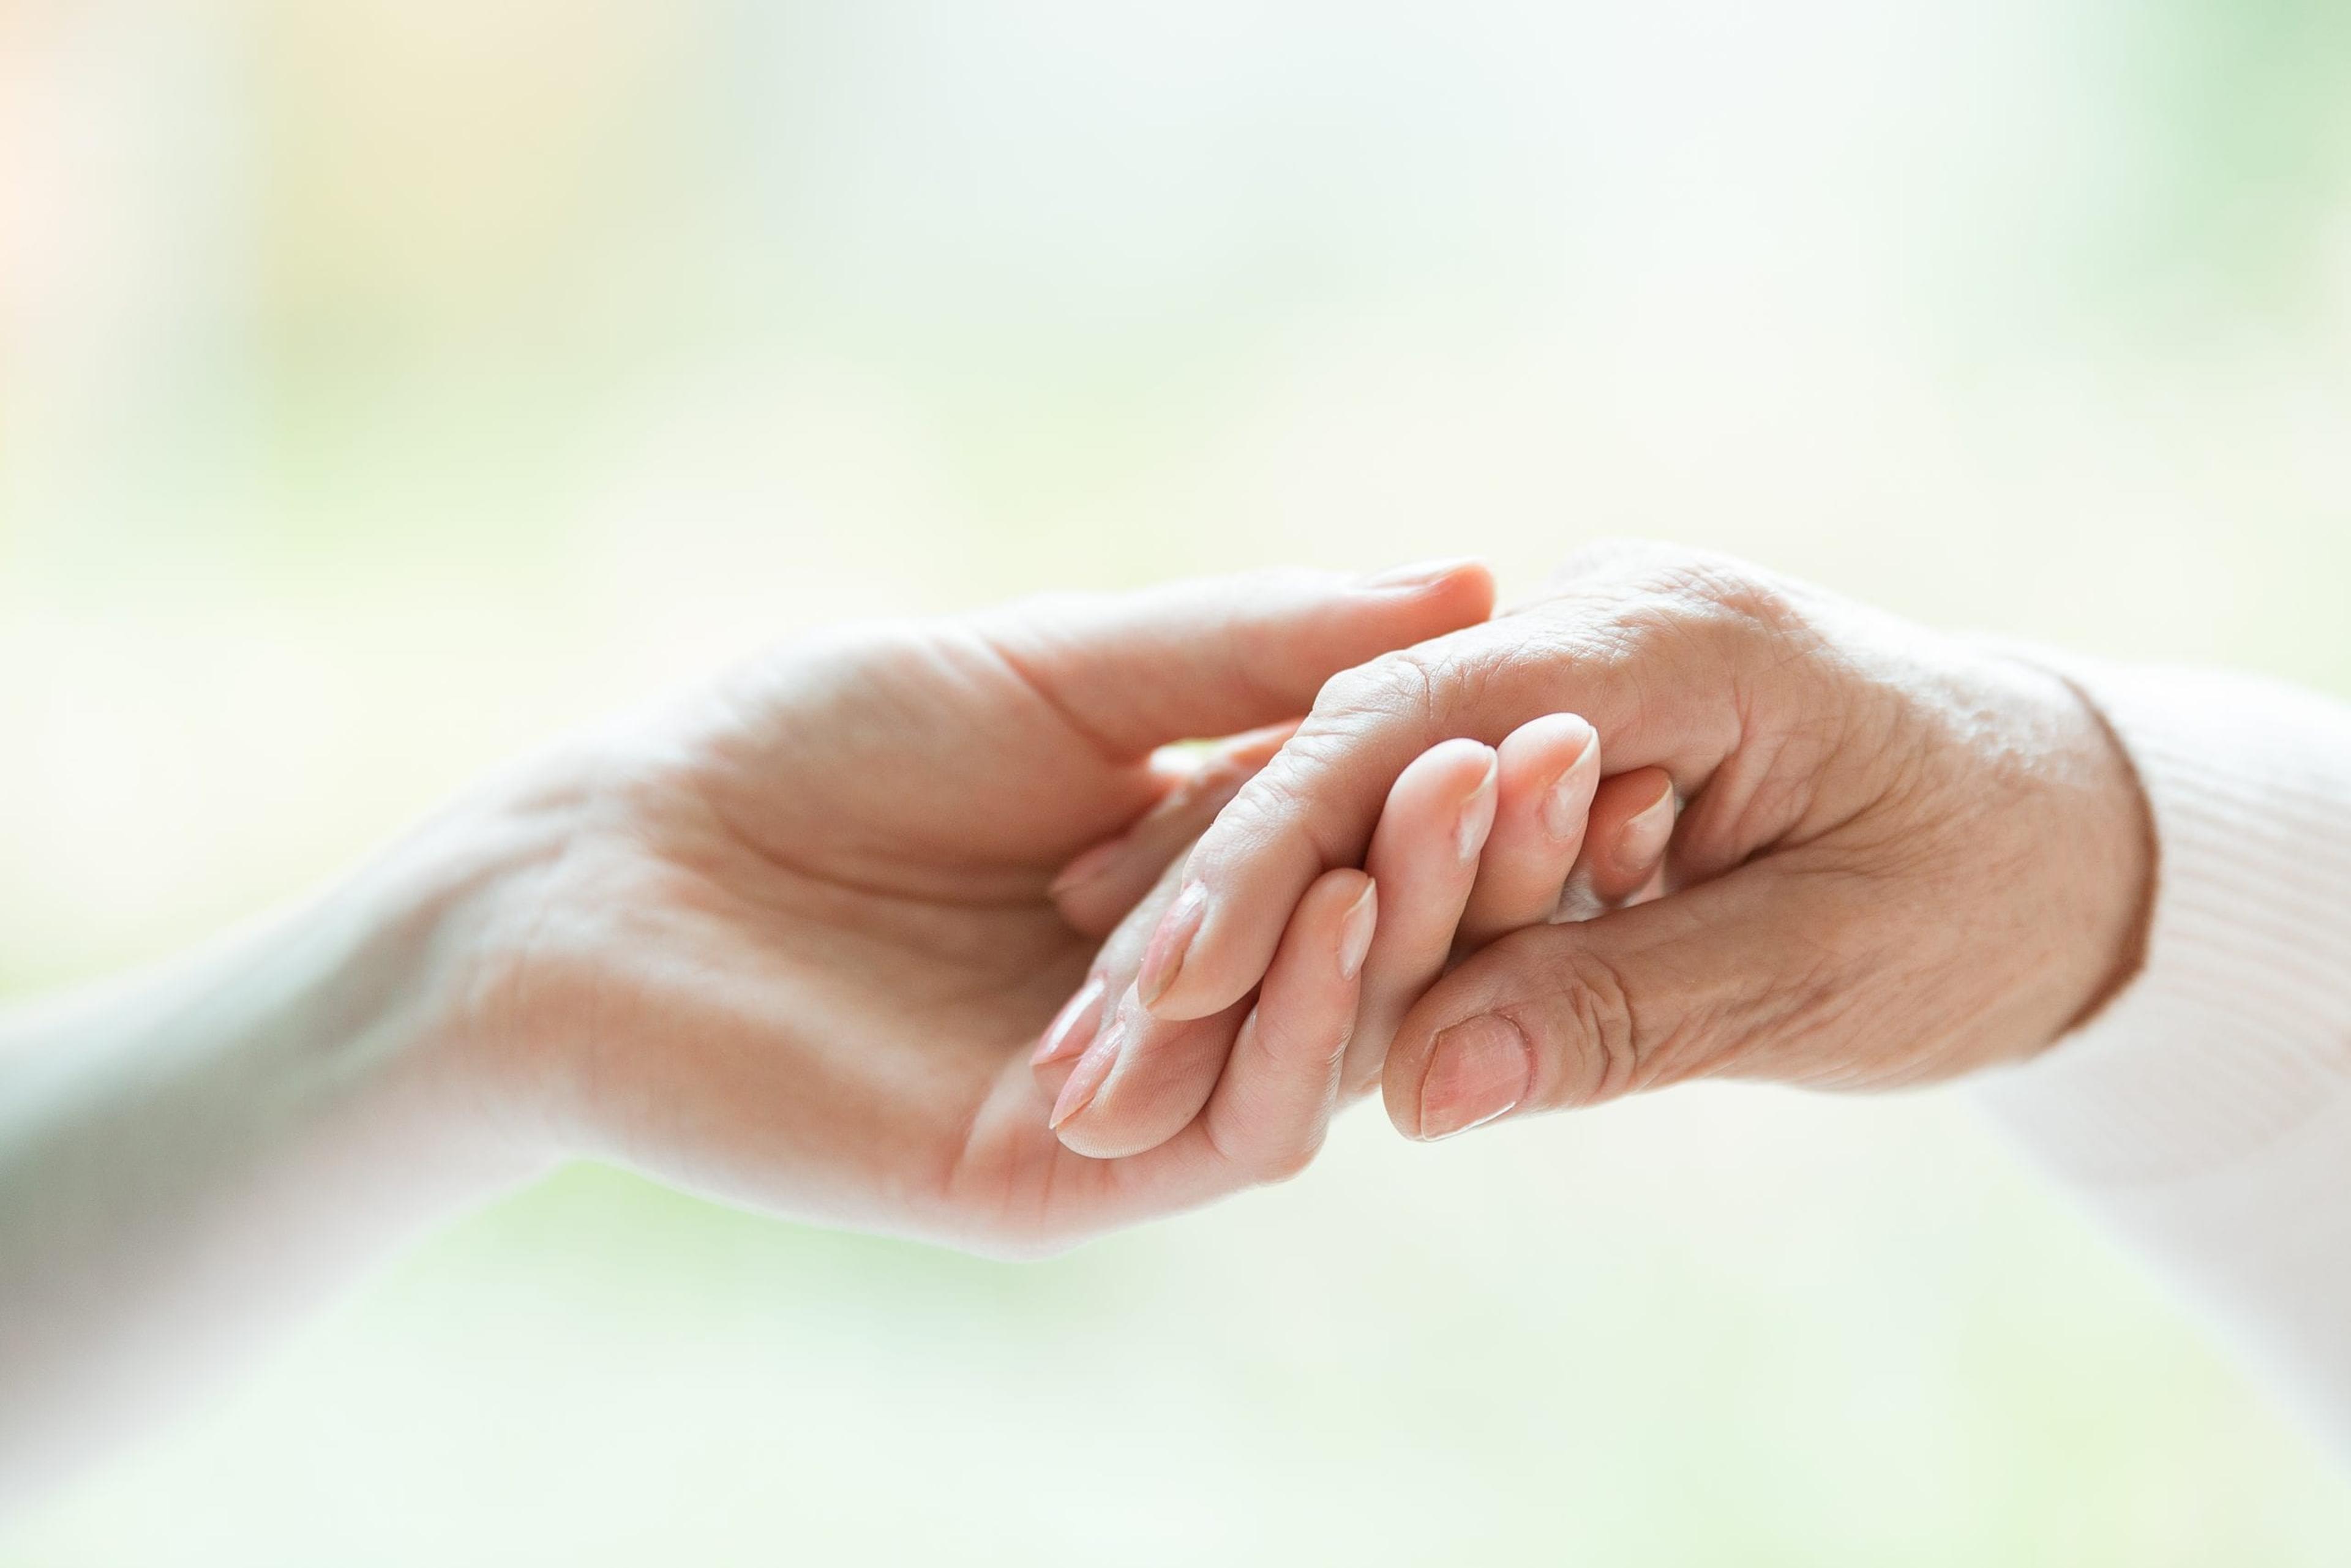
<point>1421,574</point>
<point>1086,1081</point>
<point>1355,929</point>
<point>1477,819</point>
<point>1646,834</point>
<point>1479,1070</point>
<point>1086,867</point>
<point>1073,1028</point>
<point>1569,802</point>
<point>1164,959</point>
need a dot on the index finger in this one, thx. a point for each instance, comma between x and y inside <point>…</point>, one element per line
<point>1654,664</point>
<point>1314,806</point>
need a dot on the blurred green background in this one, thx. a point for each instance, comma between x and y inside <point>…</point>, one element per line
<point>386,385</point>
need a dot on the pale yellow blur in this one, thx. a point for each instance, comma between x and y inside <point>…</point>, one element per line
<point>387,385</point>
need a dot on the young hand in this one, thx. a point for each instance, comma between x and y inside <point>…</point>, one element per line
<point>798,943</point>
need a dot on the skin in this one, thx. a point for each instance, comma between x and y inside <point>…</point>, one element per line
<point>793,940</point>
<point>1902,856</point>
<point>803,941</point>
<point>1472,843</point>
<point>790,939</point>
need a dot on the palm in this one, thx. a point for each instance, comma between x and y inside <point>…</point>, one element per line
<point>826,943</point>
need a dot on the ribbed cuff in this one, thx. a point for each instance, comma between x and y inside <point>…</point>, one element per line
<point>2238,1030</point>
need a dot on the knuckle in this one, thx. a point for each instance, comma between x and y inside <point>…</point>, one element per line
<point>1399,685</point>
<point>1721,594</point>
<point>1433,688</point>
<point>1610,1048</point>
<point>1617,556</point>
<point>1260,810</point>
<point>1303,1053</point>
<point>1710,617</point>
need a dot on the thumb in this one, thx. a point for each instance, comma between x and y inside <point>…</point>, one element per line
<point>1571,1015</point>
<point>1133,672</point>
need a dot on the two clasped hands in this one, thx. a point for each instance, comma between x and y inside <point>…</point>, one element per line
<point>933,929</point>
<point>923,928</point>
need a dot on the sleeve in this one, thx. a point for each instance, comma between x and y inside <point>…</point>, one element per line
<point>2205,1113</point>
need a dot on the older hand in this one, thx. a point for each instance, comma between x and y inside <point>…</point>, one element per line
<point>1903,856</point>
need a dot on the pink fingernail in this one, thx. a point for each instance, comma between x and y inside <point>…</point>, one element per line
<point>1476,818</point>
<point>1569,801</point>
<point>1646,835</point>
<point>1479,1070</point>
<point>1355,928</point>
<point>1086,1081</point>
<point>1072,1028</point>
<point>1163,961</point>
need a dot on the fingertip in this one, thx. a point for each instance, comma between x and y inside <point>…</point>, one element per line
<point>1460,765</point>
<point>1464,577</point>
<point>1338,914</point>
<point>1472,588</point>
<point>1554,743</point>
<point>1447,1068</point>
<point>1085,1080</point>
<point>1550,768</point>
<point>1476,822</point>
<point>1434,597</point>
<point>1464,992</point>
<point>1074,1027</point>
<point>1170,950</point>
<point>1452,789</point>
<point>1401,1073</point>
<point>1632,817</point>
<point>1204,961</point>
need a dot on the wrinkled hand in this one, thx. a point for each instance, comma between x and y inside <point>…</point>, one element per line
<point>798,943</point>
<point>1903,856</point>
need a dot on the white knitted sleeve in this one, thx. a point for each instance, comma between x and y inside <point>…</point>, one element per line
<point>2206,1113</point>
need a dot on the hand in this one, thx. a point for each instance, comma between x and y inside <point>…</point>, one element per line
<point>1903,857</point>
<point>1473,843</point>
<point>799,943</point>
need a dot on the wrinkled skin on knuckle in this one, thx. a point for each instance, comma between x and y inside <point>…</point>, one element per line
<point>1614,558</point>
<point>1659,598</point>
<point>1436,687</point>
<point>1592,1007</point>
<point>1266,807</point>
<point>1398,686</point>
<point>1741,621</point>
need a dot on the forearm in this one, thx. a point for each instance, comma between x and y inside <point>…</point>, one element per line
<point>2207,1112</point>
<point>191,1156</point>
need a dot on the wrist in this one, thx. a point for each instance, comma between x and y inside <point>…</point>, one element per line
<point>467,908</point>
<point>409,977</point>
<point>2096,838</point>
<point>2231,1039</point>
